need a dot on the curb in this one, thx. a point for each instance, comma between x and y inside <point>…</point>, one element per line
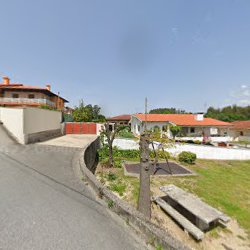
<point>155,235</point>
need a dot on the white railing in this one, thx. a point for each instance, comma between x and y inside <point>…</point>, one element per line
<point>7,100</point>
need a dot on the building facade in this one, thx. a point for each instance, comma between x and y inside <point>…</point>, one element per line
<point>241,130</point>
<point>193,126</point>
<point>120,119</point>
<point>20,95</point>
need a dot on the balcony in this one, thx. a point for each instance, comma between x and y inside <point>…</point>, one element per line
<point>25,101</point>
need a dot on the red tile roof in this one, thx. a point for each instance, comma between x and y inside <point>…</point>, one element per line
<point>182,119</point>
<point>19,86</point>
<point>120,118</point>
<point>241,125</point>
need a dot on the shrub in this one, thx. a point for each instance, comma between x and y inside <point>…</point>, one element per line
<point>111,176</point>
<point>126,133</point>
<point>160,153</point>
<point>187,157</point>
<point>119,153</point>
<point>118,187</point>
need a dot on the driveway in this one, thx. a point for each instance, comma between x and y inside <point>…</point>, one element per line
<point>45,206</point>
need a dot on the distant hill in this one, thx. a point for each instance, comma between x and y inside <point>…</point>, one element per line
<point>229,113</point>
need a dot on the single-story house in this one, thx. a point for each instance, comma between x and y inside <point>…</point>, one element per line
<point>240,130</point>
<point>192,125</point>
<point>120,119</point>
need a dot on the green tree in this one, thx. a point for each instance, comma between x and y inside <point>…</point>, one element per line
<point>229,113</point>
<point>87,113</point>
<point>110,133</point>
<point>167,111</point>
<point>175,130</point>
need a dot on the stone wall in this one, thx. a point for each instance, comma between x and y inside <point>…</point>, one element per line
<point>91,155</point>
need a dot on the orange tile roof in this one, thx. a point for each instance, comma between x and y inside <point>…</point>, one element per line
<point>241,125</point>
<point>182,120</point>
<point>19,86</point>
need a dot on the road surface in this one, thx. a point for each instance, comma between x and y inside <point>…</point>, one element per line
<point>43,205</point>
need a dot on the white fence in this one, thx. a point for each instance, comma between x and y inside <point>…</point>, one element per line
<point>202,152</point>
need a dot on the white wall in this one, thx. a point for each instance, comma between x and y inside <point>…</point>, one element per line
<point>12,118</point>
<point>39,120</point>
<point>22,122</point>
<point>212,138</point>
<point>137,127</point>
<point>202,152</point>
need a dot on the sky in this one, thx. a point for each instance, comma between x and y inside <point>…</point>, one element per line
<point>184,54</point>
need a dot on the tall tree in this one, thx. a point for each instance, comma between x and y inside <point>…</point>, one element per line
<point>229,113</point>
<point>87,113</point>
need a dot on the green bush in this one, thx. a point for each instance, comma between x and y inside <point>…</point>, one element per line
<point>187,157</point>
<point>111,176</point>
<point>160,153</point>
<point>118,187</point>
<point>119,153</point>
<point>68,118</point>
<point>126,133</point>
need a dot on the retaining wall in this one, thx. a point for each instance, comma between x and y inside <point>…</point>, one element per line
<point>30,125</point>
<point>157,236</point>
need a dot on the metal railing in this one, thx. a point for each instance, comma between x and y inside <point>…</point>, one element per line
<point>8,100</point>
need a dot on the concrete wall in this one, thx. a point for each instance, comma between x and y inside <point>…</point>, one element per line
<point>13,121</point>
<point>91,155</point>
<point>202,152</point>
<point>212,139</point>
<point>41,124</point>
<point>29,125</point>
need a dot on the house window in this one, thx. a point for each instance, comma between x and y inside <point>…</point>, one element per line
<point>192,130</point>
<point>31,96</point>
<point>241,133</point>
<point>139,128</point>
<point>15,96</point>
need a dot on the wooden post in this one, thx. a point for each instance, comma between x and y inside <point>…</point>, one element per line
<point>144,202</point>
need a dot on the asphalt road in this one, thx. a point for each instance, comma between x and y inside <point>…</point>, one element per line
<point>43,205</point>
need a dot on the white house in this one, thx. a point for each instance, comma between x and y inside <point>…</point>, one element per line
<point>240,130</point>
<point>194,126</point>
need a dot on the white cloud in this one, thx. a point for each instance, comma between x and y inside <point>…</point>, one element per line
<point>242,95</point>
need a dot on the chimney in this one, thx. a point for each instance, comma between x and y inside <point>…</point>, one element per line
<point>6,80</point>
<point>48,87</point>
<point>199,116</point>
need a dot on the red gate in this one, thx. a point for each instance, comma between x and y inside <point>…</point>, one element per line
<point>80,128</point>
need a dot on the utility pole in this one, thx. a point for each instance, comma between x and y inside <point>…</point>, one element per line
<point>144,202</point>
<point>146,113</point>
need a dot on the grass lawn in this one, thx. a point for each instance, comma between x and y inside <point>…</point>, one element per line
<point>222,184</point>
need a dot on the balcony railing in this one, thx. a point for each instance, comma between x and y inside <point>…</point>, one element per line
<point>26,101</point>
